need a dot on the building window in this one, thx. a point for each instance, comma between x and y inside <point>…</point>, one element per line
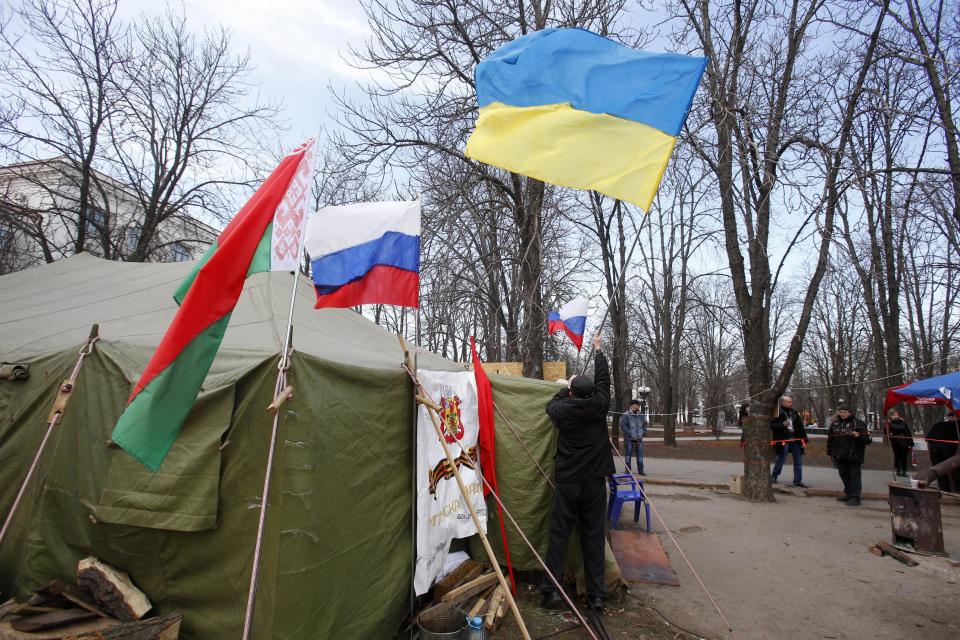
<point>96,221</point>
<point>133,237</point>
<point>179,252</point>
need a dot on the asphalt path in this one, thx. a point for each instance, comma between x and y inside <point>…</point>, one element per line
<point>719,471</point>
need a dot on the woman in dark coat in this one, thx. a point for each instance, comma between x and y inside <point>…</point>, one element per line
<point>901,441</point>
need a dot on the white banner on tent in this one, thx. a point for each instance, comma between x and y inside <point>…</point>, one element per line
<point>442,514</point>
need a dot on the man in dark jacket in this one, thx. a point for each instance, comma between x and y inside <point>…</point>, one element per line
<point>942,444</point>
<point>584,459</point>
<point>633,426</point>
<point>846,441</point>
<point>788,434</point>
<point>901,441</point>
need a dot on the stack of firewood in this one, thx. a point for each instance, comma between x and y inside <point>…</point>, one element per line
<point>103,605</point>
<point>473,588</point>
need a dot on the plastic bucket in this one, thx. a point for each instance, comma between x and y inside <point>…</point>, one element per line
<point>441,622</point>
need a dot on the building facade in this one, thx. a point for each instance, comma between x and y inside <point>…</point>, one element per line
<point>40,219</point>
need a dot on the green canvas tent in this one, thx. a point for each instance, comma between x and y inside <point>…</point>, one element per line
<point>336,560</point>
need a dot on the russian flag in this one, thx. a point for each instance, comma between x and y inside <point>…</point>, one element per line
<point>572,319</point>
<point>366,253</point>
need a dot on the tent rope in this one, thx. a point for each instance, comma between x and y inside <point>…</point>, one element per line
<point>64,394</point>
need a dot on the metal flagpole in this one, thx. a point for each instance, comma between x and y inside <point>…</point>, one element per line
<point>281,393</point>
<point>413,474</point>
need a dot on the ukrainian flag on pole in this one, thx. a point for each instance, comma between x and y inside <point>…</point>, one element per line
<point>575,109</point>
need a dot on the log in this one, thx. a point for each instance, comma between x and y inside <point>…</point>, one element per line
<point>113,590</point>
<point>462,574</point>
<point>52,619</point>
<point>72,594</point>
<point>468,589</point>
<point>163,628</point>
<point>90,626</point>
<point>889,550</point>
<point>481,602</point>
<point>494,605</point>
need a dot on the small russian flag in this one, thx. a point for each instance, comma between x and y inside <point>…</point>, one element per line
<point>365,253</point>
<point>572,319</point>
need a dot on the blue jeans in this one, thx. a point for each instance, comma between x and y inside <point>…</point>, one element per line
<point>796,450</point>
<point>635,445</point>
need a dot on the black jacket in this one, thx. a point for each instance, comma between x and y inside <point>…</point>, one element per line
<point>583,445</point>
<point>787,426</point>
<point>841,445</point>
<point>900,435</point>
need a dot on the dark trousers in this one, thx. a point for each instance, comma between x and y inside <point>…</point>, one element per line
<point>901,457</point>
<point>583,504</point>
<point>850,475</point>
<point>635,446</point>
<point>939,452</point>
<point>796,451</point>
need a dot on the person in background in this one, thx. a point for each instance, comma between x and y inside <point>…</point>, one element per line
<point>583,461</point>
<point>633,425</point>
<point>742,416</point>
<point>847,441</point>
<point>942,444</point>
<point>788,435</point>
<point>901,441</point>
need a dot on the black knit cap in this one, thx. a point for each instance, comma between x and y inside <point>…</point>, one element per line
<point>582,386</point>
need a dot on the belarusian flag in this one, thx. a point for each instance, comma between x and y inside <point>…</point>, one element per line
<point>264,236</point>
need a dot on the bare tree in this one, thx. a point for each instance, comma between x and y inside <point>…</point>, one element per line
<point>186,116</point>
<point>426,105</point>
<point>61,77</point>
<point>932,43</point>
<point>760,115</point>
<point>662,297</point>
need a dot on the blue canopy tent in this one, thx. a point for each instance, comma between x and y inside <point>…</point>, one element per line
<point>943,389</point>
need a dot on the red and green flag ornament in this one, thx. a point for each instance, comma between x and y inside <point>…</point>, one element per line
<point>264,236</point>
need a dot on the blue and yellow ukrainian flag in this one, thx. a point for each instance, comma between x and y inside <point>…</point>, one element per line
<point>575,109</point>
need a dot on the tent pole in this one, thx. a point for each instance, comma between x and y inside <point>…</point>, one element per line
<point>413,477</point>
<point>432,410</point>
<point>56,415</point>
<point>281,393</point>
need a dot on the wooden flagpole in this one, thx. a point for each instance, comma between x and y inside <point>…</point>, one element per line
<point>433,410</point>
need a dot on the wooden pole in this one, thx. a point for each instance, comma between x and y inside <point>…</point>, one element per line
<point>432,410</point>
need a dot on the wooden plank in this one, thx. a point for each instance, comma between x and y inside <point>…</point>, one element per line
<point>113,590</point>
<point>482,601</point>
<point>468,589</point>
<point>464,573</point>
<point>163,628</point>
<point>494,605</point>
<point>90,626</point>
<point>52,619</point>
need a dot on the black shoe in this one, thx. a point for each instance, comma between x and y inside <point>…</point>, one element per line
<point>853,502</point>
<point>553,602</point>
<point>596,603</point>
<point>801,485</point>
<point>773,479</point>
<point>843,498</point>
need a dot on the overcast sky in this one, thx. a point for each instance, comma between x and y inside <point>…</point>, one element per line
<point>296,46</point>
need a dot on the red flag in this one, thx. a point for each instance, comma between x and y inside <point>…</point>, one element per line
<point>488,445</point>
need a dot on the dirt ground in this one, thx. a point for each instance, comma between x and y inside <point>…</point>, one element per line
<point>878,454</point>
<point>799,568</point>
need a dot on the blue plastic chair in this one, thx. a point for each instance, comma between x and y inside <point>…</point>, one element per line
<point>623,488</point>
